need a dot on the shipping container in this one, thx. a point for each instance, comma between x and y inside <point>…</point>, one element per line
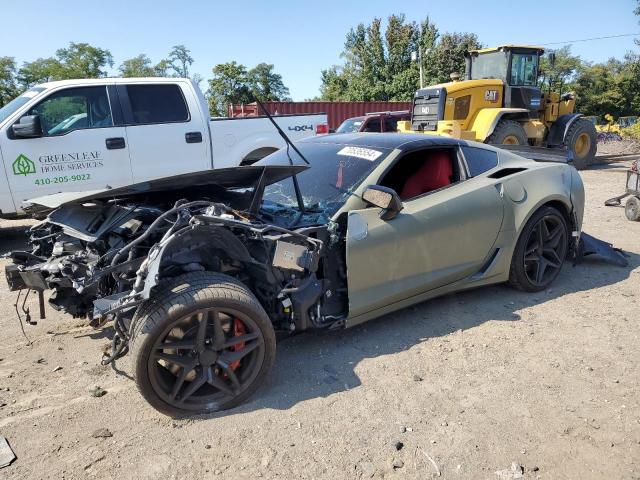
<point>337,112</point>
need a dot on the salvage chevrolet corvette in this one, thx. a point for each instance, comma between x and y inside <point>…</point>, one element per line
<point>197,272</point>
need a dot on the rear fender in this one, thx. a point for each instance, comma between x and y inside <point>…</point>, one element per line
<point>486,120</point>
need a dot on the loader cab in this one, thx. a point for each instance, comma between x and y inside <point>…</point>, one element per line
<point>516,66</point>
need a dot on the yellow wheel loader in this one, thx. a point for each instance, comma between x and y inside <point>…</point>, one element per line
<point>499,102</point>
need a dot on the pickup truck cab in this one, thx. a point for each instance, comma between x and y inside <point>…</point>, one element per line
<point>374,122</point>
<point>82,135</point>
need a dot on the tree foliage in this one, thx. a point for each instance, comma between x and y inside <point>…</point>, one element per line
<point>378,62</point>
<point>180,60</point>
<point>233,83</point>
<point>78,60</point>
<point>8,84</point>
<point>139,66</point>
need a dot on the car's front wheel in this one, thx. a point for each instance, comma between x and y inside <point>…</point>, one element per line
<point>203,343</point>
<point>540,251</point>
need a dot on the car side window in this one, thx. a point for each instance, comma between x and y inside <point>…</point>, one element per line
<point>390,124</point>
<point>161,103</point>
<point>479,160</point>
<point>373,125</point>
<point>422,172</point>
<point>74,109</point>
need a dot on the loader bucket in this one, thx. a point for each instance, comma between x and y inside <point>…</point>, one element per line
<point>592,246</point>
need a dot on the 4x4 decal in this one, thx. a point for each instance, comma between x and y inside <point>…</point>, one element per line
<point>23,165</point>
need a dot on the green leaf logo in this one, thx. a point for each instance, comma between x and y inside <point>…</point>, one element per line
<point>23,166</point>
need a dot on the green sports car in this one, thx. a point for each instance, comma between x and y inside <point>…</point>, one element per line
<point>197,272</point>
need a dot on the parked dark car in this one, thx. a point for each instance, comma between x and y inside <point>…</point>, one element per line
<point>374,122</point>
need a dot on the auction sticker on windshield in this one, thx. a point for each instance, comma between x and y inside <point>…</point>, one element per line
<point>360,152</point>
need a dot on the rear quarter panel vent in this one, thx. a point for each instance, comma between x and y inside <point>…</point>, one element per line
<point>505,172</point>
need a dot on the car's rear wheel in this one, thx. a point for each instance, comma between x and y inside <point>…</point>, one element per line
<point>203,343</point>
<point>540,251</point>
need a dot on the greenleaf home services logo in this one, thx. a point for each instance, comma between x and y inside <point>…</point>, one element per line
<point>23,166</point>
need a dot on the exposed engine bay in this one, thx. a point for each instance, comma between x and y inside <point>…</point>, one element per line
<point>104,256</point>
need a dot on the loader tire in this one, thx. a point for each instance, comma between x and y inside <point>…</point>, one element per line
<point>582,141</point>
<point>508,132</point>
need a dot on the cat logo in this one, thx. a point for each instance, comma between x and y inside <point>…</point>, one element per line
<point>424,110</point>
<point>491,96</point>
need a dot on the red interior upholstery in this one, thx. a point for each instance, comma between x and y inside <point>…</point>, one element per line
<point>436,172</point>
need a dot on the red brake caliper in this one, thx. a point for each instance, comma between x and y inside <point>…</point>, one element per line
<point>238,329</point>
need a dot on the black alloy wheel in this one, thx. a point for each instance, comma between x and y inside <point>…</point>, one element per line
<point>201,343</point>
<point>206,359</point>
<point>540,251</point>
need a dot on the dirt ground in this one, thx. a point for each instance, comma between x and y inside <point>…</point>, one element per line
<point>469,384</point>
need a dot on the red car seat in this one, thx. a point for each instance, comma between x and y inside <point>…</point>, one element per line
<point>436,172</point>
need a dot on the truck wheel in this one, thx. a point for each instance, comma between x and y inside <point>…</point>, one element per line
<point>540,251</point>
<point>582,141</point>
<point>202,343</point>
<point>508,132</point>
<point>632,209</point>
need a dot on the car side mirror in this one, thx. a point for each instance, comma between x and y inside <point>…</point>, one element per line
<point>28,127</point>
<point>385,198</point>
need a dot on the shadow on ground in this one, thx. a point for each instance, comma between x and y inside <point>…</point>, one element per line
<point>320,364</point>
<point>14,238</point>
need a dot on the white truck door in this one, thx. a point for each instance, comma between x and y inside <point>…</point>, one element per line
<point>79,149</point>
<point>7,207</point>
<point>167,132</point>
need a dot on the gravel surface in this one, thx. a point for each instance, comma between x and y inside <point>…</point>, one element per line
<point>619,147</point>
<point>487,384</point>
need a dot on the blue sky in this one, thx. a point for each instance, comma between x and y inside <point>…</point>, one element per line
<point>300,38</point>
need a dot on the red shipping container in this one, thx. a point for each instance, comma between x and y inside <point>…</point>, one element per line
<point>337,112</point>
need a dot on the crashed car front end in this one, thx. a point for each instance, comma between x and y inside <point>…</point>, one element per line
<point>102,258</point>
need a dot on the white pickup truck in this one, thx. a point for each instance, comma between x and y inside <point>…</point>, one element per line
<point>79,135</point>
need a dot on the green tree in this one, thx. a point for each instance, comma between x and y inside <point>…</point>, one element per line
<point>265,84</point>
<point>230,84</point>
<point>139,66</point>
<point>561,75</point>
<point>378,65</point>
<point>161,69</point>
<point>81,60</point>
<point>447,56</point>
<point>8,83</point>
<point>180,60</point>
<point>39,71</point>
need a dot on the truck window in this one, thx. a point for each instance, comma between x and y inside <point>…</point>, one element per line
<point>479,160</point>
<point>157,104</point>
<point>391,124</point>
<point>524,69</point>
<point>74,109</point>
<point>373,125</point>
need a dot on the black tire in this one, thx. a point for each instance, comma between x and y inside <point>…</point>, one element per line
<point>230,372</point>
<point>632,209</point>
<point>528,252</point>
<point>583,153</point>
<point>508,132</point>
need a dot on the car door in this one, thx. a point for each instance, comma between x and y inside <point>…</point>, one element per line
<point>438,238</point>
<point>166,131</point>
<point>82,147</point>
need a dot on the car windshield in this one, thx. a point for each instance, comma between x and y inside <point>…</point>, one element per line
<point>335,171</point>
<point>350,125</point>
<point>16,103</point>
